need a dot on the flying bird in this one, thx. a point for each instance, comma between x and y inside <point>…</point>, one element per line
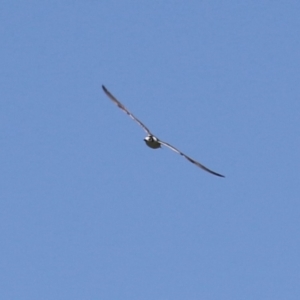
<point>151,140</point>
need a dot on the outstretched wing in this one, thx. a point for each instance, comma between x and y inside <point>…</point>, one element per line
<point>190,159</point>
<point>120,105</point>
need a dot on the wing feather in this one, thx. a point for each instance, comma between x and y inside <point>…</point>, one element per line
<point>190,159</point>
<point>121,106</point>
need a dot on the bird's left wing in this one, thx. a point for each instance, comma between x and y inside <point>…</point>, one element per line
<point>120,105</point>
<point>190,159</point>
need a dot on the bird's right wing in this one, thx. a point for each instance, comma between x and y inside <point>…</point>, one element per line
<point>190,159</point>
<point>121,106</point>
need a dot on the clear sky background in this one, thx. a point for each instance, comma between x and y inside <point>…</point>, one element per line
<point>88,211</point>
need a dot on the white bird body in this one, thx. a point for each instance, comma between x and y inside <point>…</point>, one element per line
<point>151,140</point>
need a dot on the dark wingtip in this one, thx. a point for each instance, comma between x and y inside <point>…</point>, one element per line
<point>104,88</point>
<point>220,175</point>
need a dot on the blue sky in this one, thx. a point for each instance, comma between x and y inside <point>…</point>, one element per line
<point>88,211</point>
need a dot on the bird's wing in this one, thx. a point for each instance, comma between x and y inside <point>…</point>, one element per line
<point>190,159</point>
<point>120,105</point>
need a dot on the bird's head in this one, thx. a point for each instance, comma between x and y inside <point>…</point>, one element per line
<point>148,138</point>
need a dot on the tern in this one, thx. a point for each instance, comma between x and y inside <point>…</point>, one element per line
<point>151,140</point>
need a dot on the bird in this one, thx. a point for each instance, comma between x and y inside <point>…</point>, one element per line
<point>151,140</point>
